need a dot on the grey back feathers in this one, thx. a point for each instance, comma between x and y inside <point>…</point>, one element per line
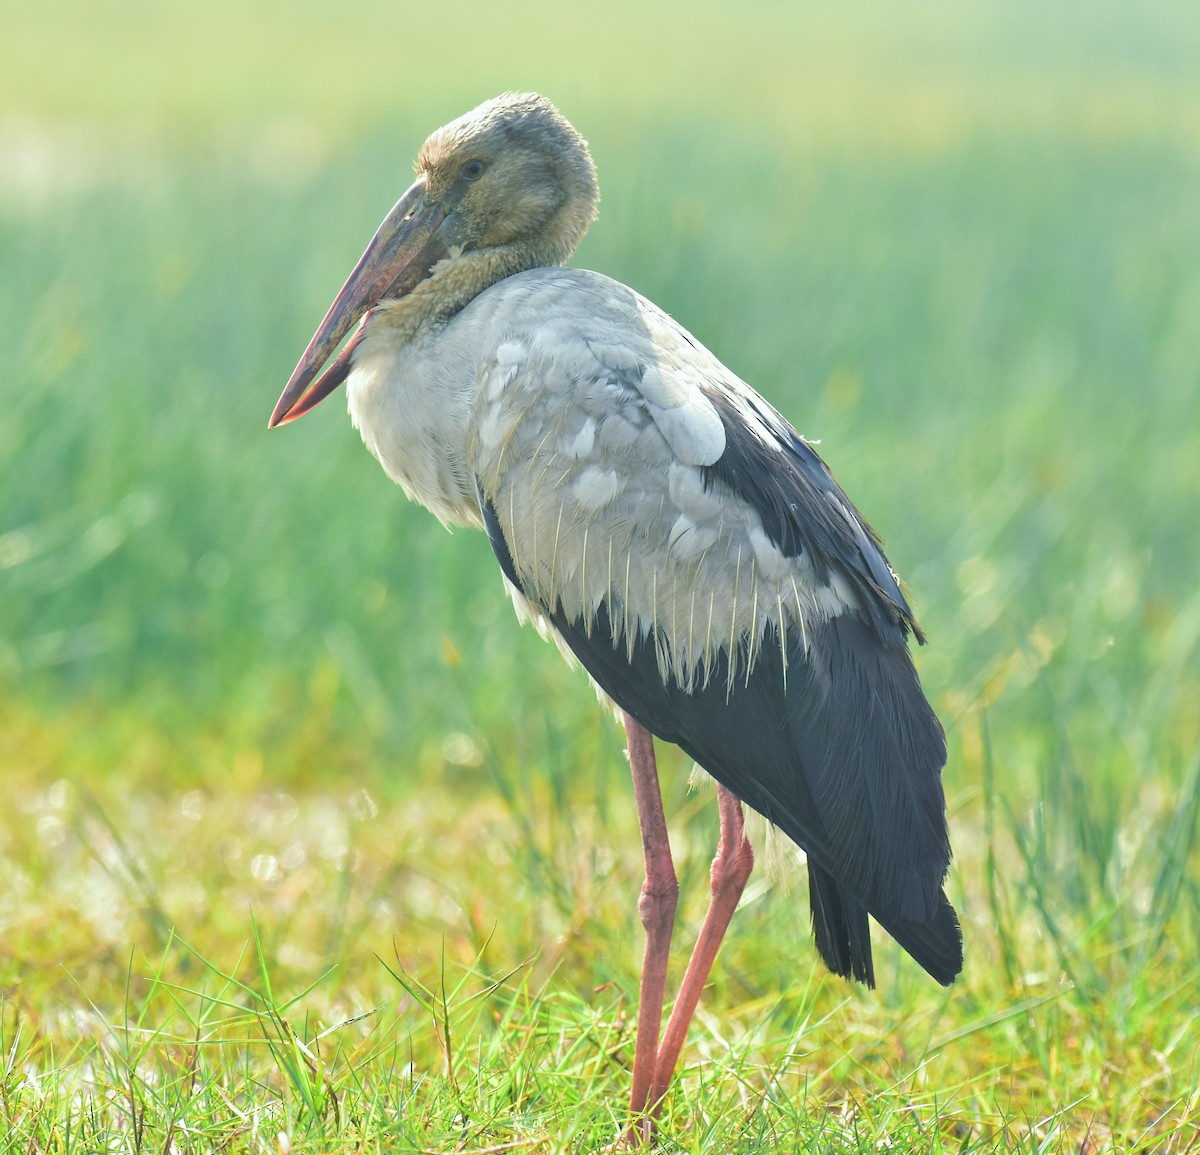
<point>597,434</point>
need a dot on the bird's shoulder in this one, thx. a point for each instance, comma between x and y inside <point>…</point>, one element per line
<point>569,344</point>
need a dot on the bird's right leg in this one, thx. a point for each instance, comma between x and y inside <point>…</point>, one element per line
<point>730,872</point>
<point>656,907</point>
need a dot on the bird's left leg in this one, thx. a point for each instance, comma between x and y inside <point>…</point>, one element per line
<point>730,870</point>
<point>659,897</point>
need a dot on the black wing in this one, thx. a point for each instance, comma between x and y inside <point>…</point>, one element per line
<point>775,470</point>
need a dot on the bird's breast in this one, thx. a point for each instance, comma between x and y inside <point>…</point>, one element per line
<point>410,399</point>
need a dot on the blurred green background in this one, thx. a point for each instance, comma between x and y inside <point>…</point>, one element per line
<point>958,243</point>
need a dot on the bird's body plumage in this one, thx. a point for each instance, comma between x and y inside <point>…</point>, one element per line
<point>666,526</point>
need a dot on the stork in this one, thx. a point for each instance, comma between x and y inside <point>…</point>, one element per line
<point>661,522</point>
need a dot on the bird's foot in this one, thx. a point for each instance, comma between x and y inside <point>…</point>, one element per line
<point>638,1136</point>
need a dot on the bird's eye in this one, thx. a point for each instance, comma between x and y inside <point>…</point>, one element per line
<point>473,170</point>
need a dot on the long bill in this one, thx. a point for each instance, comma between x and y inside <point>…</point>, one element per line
<point>401,253</point>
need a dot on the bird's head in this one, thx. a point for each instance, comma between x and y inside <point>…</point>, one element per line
<point>508,186</point>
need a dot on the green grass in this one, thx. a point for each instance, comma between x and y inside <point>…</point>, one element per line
<point>304,837</point>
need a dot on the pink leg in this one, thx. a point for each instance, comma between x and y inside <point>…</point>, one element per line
<point>730,870</point>
<point>656,907</point>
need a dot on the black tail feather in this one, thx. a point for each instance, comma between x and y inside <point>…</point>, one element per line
<point>840,928</point>
<point>937,944</point>
<point>843,934</point>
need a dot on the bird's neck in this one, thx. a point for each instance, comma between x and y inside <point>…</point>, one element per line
<point>413,381</point>
<point>453,284</point>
